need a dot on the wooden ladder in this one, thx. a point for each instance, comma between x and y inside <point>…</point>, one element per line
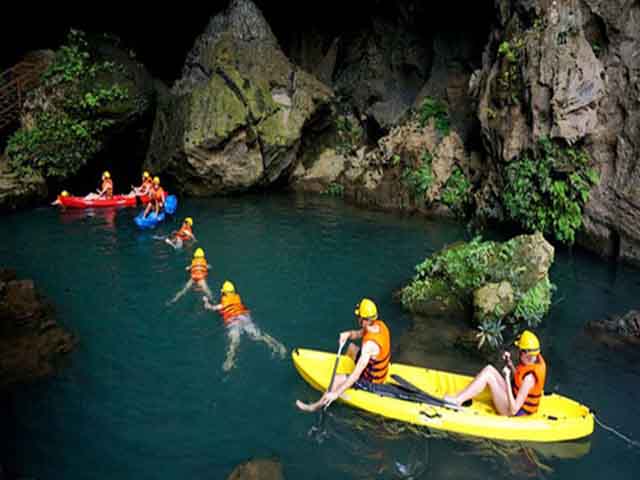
<point>15,83</point>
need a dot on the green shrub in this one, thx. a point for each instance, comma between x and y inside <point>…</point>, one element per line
<point>349,135</point>
<point>433,108</point>
<point>457,192</point>
<point>68,133</point>
<point>419,178</point>
<point>547,188</point>
<point>535,303</point>
<point>334,189</point>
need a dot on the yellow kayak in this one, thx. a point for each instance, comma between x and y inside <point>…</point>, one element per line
<point>557,419</point>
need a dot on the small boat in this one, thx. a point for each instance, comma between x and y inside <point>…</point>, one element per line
<point>414,395</point>
<point>152,220</point>
<point>115,201</point>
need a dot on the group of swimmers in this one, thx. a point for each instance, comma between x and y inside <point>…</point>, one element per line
<point>235,315</point>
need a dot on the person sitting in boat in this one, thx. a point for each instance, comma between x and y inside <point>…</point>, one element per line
<point>145,187</point>
<point>177,239</point>
<point>199,269</point>
<point>372,360</point>
<point>57,201</point>
<point>106,188</point>
<point>237,319</point>
<point>156,198</point>
<point>522,397</point>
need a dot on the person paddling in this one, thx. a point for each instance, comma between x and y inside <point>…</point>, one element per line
<point>156,198</point>
<point>199,269</point>
<point>145,187</point>
<point>105,190</point>
<point>522,397</point>
<point>371,361</point>
<point>177,239</point>
<point>237,319</point>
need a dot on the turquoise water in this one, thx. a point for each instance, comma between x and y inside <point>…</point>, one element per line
<point>144,395</point>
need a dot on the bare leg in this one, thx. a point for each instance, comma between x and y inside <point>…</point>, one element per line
<point>205,288</point>
<point>181,292</point>
<point>312,407</point>
<point>352,351</point>
<point>176,243</point>
<point>255,334</point>
<point>488,376</point>
<point>234,340</point>
<point>146,211</point>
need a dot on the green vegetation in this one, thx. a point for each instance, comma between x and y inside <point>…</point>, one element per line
<point>436,109</point>
<point>454,275</point>
<point>349,135</point>
<point>546,189</point>
<point>490,333</point>
<point>457,192</point>
<point>67,132</point>
<point>419,178</point>
<point>535,303</point>
<point>510,80</point>
<point>334,189</point>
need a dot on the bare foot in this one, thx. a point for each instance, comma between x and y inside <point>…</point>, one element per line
<point>227,365</point>
<point>450,399</point>
<point>305,407</point>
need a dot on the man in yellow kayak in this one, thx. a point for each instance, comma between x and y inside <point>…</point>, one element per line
<point>372,360</point>
<point>522,397</point>
<point>237,319</point>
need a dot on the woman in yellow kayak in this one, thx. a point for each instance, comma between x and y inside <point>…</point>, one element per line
<point>199,269</point>
<point>106,188</point>
<point>522,397</point>
<point>372,360</point>
<point>237,319</point>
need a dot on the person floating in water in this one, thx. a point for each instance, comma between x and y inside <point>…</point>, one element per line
<point>145,187</point>
<point>199,271</point>
<point>517,399</point>
<point>177,239</point>
<point>371,361</point>
<point>106,188</point>
<point>156,198</point>
<point>237,319</point>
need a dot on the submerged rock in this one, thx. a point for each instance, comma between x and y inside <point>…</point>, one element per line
<point>258,469</point>
<point>617,331</point>
<point>30,339</point>
<point>236,117</point>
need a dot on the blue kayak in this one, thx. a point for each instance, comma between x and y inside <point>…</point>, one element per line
<point>170,206</point>
<point>150,221</point>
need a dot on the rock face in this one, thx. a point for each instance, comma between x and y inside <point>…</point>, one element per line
<point>568,72</point>
<point>258,469</point>
<point>617,331</point>
<point>500,282</point>
<point>30,339</point>
<point>77,110</point>
<point>235,119</point>
<point>19,191</point>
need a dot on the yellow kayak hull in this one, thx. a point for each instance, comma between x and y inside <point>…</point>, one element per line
<point>558,418</point>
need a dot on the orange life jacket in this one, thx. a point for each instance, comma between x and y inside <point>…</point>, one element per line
<point>147,185</point>
<point>539,371</point>
<point>199,269</point>
<point>378,367</point>
<point>107,187</point>
<point>157,196</point>
<point>183,232</point>
<point>231,307</point>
